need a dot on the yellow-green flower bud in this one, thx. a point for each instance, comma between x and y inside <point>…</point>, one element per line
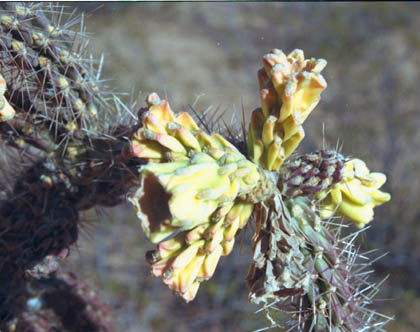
<point>290,88</point>
<point>355,196</point>
<point>180,195</point>
<point>192,256</point>
<point>196,185</point>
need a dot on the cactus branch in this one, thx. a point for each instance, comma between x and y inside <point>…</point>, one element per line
<point>69,149</point>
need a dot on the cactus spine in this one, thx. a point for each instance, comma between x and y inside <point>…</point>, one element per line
<point>61,148</point>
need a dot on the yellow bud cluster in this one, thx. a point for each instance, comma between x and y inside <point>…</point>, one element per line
<point>355,196</point>
<point>181,195</point>
<point>204,173</point>
<point>167,137</point>
<point>192,256</point>
<point>6,111</point>
<point>290,88</point>
<point>194,189</point>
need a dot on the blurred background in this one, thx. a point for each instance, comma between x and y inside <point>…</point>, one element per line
<point>213,51</point>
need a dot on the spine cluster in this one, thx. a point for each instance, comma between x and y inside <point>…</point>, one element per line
<point>277,269</point>
<point>62,150</point>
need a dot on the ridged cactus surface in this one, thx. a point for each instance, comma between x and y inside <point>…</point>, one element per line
<point>311,173</point>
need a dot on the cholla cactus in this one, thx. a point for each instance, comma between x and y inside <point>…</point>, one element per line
<point>192,190</point>
<point>61,152</point>
<point>194,186</point>
<point>305,269</point>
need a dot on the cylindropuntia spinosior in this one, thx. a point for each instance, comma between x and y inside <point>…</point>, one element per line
<point>193,182</point>
<point>62,154</point>
<point>192,189</point>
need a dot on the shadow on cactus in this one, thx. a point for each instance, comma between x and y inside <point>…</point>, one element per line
<point>192,190</point>
<point>197,190</point>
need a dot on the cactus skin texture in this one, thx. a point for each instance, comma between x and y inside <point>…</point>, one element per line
<point>53,301</point>
<point>312,276</point>
<point>277,270</point>
<point>61,303</point>
<point>311,173</point>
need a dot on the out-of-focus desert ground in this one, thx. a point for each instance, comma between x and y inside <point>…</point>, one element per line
<point>213,50</point>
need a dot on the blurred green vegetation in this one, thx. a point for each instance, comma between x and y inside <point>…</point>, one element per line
<point>369,110</point>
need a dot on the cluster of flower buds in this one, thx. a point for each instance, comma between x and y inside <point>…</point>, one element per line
<point>310,173</point>
<point>192,256</point>
<point>6,111</point>
<point>298,264</point>
<point>196,187</point>
<point>290,88</point>
<point>355,196</point>
<point>196,190</point>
